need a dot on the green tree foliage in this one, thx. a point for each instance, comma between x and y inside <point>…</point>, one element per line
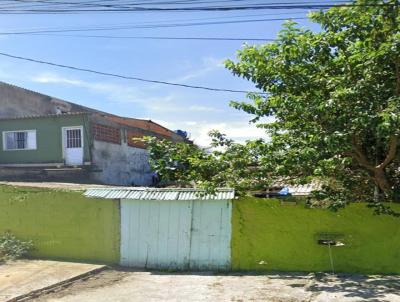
<point>335,97</point>
<point>334,100</point>
<point>225,164</point>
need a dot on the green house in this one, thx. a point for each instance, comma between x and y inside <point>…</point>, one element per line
<point>46,138</point>
<point>51,140</point>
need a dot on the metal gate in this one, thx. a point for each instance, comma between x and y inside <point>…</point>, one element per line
<point>176,234</point>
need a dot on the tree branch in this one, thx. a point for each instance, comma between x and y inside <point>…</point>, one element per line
<point>394,139</point>
<point>359,156</point>
<point>397,76</point>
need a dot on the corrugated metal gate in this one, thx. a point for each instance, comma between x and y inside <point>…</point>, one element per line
<point>172,228</point>
<point>176,234</point>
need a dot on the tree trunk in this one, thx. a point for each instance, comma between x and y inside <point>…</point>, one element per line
<point>382,181</point>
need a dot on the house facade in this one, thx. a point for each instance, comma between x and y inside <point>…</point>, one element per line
<point>61,141</point>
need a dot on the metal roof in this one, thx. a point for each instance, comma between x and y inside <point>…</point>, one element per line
<point>303,190</point>
<point>159,193</point>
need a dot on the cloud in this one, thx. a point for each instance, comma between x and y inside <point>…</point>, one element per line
<point>240,131</point>
<point>192,118</point>
<point>208,65</point>
<point>178,107</point>
<point>116,93</point>
<point>54,78</point>
<point>203,108</point>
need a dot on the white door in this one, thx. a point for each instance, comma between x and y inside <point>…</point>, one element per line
<point>210,247</point>
<point>73,145</point>
<point>155,233</point>
<point>176,234</point>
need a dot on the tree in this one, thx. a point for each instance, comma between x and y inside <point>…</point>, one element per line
<point>235,165</point>
<point>335,99</point>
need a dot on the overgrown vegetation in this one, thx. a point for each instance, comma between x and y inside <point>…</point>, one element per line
<point>236,166</point>
<point>12,248</point>
<point>330,108</point>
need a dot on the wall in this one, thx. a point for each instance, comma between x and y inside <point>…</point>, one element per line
<point>49,139</point>
<point>62,225</point>
<point>271,236</point>
<point>16,101</point>
<point>121,164</point>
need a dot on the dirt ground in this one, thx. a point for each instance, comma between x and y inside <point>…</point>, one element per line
<point>124,285</point>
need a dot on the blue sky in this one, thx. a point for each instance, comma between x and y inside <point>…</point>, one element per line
<point>186,62</point>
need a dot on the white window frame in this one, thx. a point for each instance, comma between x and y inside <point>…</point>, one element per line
<point>13,131</point>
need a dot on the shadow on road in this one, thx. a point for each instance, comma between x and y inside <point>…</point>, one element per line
<point>359,287</point>
<point>350,286</point>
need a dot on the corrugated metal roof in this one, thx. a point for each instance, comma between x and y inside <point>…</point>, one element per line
<point>158,193</point>
<point>300,190</point>
<point>303,190</point>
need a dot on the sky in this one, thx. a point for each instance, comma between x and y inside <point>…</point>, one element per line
<point>183,61</point>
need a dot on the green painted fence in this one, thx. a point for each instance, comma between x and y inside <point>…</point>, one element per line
<point>63,225</point>
<point>266,235</point>
<point>271,236</point>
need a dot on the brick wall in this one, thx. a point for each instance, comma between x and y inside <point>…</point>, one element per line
<point>107,134</point>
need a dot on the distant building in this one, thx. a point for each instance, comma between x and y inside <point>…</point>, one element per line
<point>44,138</point>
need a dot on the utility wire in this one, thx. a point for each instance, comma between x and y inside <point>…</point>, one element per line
<point>126,77</point>
<point>175,23</point>
<point>156,37</point>
<point>149,26</point>
<point>144,8</point>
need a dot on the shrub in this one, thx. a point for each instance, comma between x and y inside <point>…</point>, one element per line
<point>12,248</point>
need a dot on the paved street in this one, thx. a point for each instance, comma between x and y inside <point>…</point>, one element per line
<point>122,285</point>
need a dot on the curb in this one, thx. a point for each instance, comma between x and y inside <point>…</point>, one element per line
<point>38,292</point>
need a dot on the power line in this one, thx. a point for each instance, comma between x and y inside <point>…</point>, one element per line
<point>157,38</point>
<point>132,4</point>
<point>149,26</point>
<point>75,8</point>
<point>124,76</point>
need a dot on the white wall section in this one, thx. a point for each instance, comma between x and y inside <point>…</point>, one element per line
<point>176,234</point>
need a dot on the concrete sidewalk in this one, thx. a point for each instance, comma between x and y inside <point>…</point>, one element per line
<point>19,278</point>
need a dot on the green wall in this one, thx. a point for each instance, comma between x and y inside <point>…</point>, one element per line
<point>63,225</point>
<point>48,136</point>
<point>271,236</point>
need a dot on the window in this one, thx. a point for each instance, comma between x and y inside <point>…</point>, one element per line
<point>74,138</point>
<point>19,140</point>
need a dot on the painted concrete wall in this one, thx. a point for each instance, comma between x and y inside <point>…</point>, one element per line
<point>121,164</point>
<point>176,234</point>
<point>269,236</point>
<point>16,101</point>
<point>62,225</point>
<point>49,139</point>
